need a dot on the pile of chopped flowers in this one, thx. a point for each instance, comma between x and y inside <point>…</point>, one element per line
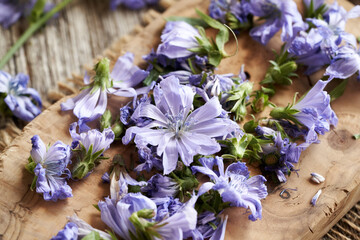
<point>187,121</point>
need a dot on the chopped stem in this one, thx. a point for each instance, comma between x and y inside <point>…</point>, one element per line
<point>31,30</point>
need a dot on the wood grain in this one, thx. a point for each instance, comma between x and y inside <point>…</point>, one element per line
<point>24,214</point>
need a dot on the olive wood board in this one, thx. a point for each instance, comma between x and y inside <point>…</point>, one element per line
<point>25,215</point>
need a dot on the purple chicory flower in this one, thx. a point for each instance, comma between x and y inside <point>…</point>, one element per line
<point>345,63</point>
<point>175,131</point>
<point>176,40</point>
<point>50,170</point>
<point>166,207</point>
<point>12,10</point>
<point>132,4</point>
<point>98,141</point>
<point>279,14</point>
<point>91,103</point>
<point>205,227</point>
<point>315,111</point>
<point>69,232</point>
<point>76,228</point>
<point>160,186</point>
<point>148,159</point>
<point>280,156</point>
<point>234,184</point>
<point>25,103</point>
<point>218,9</point>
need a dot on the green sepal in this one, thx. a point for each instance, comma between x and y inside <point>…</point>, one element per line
<point>31,165</point>
<point>102,77</point>
<point>285,113</point>
<point>250,126</point>
<point>94,235</point>
<point>112,235</point>
<point>339,90</point>
<point>192,21</point>
<point>106,120</point>
<point>37,11</point>
<point>356,136</point>
<point>238,99</point>
<point>152,77</point>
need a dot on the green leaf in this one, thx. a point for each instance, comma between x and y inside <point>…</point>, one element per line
<point>339,90</point>
<point>92,236</point>
<point>153,76</point>
<point>223,35</point>
<point>192,21</point>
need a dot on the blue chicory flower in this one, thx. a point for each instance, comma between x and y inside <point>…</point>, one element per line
<point>132,4</point>
<point>91,103</point>
<point>218,9</point>
<point>160,186</point>
<point>12,10</point>
<point>50,170</point>
<point>286,153</point>
<point>175,131</point>
<point>279,14</point>
<point>176,40</point>
<point>345,63</point>
<point>25,103</point>
<point>315,111</point>
<point>234,184</point>
<point>100,141</point>
<point>166,207</point>
<point>116,211</point>
<point>205,227</point>
<point>76,229</point>
<point>148,159</point>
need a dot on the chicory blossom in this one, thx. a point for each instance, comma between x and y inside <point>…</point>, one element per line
<point>132,4</point>
<point>313,111</point>
<point>279,14</point>
<point>49,166</point>
<point>117,210</point>
<point>176,40</point>
<point>148,159</point>
<point>317,178</point>
<point>76,228</point>
<point>177,132</point>
<point>25,103</point>
<point>160,186</point>
<point>91,103</point>
<point>345,63</point>
<point>234,184</point>
<point>280,156</point>
<point>12,10</point>
<point>92,146</point>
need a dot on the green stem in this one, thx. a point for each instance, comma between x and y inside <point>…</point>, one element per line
<point>31,30</point>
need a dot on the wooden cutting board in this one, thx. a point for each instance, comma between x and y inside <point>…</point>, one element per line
<point>25,215</point>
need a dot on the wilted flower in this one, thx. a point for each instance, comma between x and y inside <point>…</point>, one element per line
<point>92,145</point>
<point>25,103</point>
<point>12,10</point>
<point>175,131</point>
<point>148,159</point>
<point>49,166</point>
<point>91,103</point>
<point>160,186</point>
<point>132,4</point>
<point>176,40</point>
<point>131,214</point>
<point>313,111</point>
<point>234,184</point>
<point>76,229</point>
<point>279,14</point>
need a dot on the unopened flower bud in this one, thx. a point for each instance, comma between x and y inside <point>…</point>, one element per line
<point>315,198</point>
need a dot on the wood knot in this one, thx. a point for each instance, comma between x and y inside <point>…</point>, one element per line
<point>340,139</point>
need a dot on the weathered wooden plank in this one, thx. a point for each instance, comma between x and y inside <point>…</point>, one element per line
<point>24,214</point>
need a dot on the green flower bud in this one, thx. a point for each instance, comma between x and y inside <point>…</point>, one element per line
<point>102,77</point>
<point>106,120</point>
<point>271,159</point>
